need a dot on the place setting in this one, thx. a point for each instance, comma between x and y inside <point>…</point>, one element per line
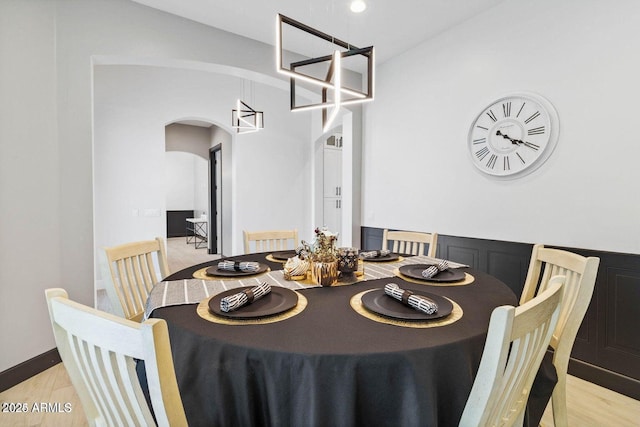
<point>282,256</point>
<point>382,255</point>
<point>394,305</point>
<point>260,304</point>
<point>439,274</point>
<point>229,269</point>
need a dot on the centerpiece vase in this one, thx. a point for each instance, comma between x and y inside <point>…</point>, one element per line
<point>324,259</point>
<point>325,272</point>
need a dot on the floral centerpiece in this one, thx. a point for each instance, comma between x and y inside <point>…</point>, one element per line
<point>324,245</point>
<point>324,257</point>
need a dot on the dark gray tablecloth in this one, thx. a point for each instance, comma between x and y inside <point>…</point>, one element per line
<point>330,366</point>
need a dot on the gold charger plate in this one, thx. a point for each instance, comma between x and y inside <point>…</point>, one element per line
<point>271,258</point>
<point>342,281</point>
<point>356,304</point>
<point>400,258</point>
<point>202,274</point>
<point>203,312</point>
<point>468,279</point>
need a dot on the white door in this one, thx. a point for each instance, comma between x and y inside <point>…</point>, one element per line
<point>332,215</point>
<point>332,167</point>
<point>332,188</point>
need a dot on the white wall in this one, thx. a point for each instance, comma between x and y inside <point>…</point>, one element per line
<point>132,106</point>
<point>584,56</point>
<point>46,162</point>
<point>200,186</point>
<point>188,138</point>
<point>34,233</point>
<point>187,167</point>
<point>180,179</point>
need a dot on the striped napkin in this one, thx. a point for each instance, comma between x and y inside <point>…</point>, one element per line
<point>435,269</point>
<point>407,297</point>
<point>249,266</point>
<point>235,301</point>
<point>374,254</point>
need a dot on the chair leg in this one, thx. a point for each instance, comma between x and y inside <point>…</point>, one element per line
<point>559,401</point>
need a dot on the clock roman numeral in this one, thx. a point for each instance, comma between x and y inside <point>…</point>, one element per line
<point>480,141</point>
<point>531,145</point>
<point>492,161</point>
<point>536,131</point>
<point>520,110</point>
<point>533,116</point>
<point>506,109</point>
<point>492,116</point>
<point>521,159</point>
<point>482,127</point>
<point>505,163</point>
<point>481,154</point>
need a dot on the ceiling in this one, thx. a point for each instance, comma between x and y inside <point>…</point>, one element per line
<point>392,26</point>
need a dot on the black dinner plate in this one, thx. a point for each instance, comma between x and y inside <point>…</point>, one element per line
<point>283,255</point>
<point>215,271</point>
<point>390,257</point>
<point>415,272</point>
<point>381,303</point>
<point>275,302</point>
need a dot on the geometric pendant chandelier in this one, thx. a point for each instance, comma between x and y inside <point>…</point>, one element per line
<point>325,74</point>
<point>245,119</point>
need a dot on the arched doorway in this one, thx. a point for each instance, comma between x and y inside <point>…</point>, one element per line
<point>193,170</point>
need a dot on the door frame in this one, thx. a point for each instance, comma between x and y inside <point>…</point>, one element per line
<point>214,209</point>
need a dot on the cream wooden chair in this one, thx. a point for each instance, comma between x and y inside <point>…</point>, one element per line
<point>264,241</point>
<point>134,270</point>
<point>98,350</point>
<point>581,278</point>
<point>515,346</point>
<point>410,242</point>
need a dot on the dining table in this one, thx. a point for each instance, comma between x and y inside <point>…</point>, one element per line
<point>330,360</point>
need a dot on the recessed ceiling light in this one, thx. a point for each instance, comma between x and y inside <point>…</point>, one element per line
<point>358,6</point>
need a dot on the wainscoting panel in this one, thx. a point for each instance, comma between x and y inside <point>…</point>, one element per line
<point>176,223</point>
<point>607,348</point>
<point>372,239</point>
<point>511,267</point>
<point>621,342</point>
<point>461,254</point>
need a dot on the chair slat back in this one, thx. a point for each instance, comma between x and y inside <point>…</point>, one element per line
<point>514,349</point>
<point>98,350</point>
<point>581,275</point>
<point>265,241</point>
<point>410,242</point>
<point>135,267</point>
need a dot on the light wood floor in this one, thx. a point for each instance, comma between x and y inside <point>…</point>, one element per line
<point>181,255</point>
<point>588,404</point>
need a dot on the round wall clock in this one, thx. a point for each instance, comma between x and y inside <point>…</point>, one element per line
<point>514,135</point>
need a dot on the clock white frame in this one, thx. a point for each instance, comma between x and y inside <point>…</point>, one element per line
<point>547,150</point>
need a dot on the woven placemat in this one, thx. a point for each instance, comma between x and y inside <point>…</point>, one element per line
<point>203,312</point>
<point>272,259</point>
<point>356,304</point>
<point>468,279</point>
<point>400,258</point>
